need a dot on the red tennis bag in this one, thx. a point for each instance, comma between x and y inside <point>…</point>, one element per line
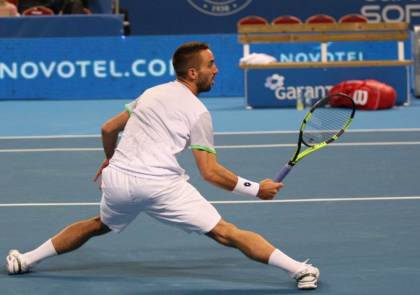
<point>366,94</point>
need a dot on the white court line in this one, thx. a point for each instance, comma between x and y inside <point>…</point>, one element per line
<point>46,204</point>
<point>247,146</point>
<point>234,202</point>
<point>51,136</point>
<point>296,131</point>
<point>379,143</point>
<point>320,200</point>
<point>215,133</point>
<point>43,150</point>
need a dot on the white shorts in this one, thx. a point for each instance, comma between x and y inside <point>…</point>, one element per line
<point>174,202</point>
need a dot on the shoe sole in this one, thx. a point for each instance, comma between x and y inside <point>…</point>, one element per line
<point>308,285</point>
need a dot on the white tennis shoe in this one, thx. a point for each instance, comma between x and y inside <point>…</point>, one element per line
<point>15,263</point>
<point>307,278</point>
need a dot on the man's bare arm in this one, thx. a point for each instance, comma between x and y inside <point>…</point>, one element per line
<point>218,175</point>
<point>110,130</point>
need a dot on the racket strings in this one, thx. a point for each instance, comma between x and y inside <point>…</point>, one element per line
<point>324,124</point>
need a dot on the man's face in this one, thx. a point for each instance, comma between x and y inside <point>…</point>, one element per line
<point>206,72</point>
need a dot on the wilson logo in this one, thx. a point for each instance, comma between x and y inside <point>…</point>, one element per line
<point>360,97</point>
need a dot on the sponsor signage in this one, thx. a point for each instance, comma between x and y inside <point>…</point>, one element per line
<point>117,67</point>
<point>337,51</point>
<point>283,88</point>
<point>104,67</point>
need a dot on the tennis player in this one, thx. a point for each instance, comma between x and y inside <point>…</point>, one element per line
<point>142,175</point>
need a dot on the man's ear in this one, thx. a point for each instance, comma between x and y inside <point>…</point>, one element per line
<point>192,73</point>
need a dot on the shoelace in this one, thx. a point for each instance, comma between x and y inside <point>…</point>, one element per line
<point>306,264</point>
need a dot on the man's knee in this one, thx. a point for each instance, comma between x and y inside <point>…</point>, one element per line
<point>224,232</point>
<point>98,227</point>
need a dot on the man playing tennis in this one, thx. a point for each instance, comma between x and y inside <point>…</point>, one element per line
<point>142,174</point>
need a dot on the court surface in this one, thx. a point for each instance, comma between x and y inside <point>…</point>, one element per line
<point>352,208</point>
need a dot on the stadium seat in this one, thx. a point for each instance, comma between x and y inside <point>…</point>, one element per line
<point>320,19</point>
<point>353,18</point>
<point>87,11</point>
<point>286,19</point>
<point>38,10</point>
<point>252,20</point>
<point>15,2</point>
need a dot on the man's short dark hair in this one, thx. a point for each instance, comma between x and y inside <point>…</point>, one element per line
<point>186,56</point>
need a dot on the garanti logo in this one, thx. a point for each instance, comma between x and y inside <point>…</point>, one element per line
<point>219,7</point>
<point>276,83</point>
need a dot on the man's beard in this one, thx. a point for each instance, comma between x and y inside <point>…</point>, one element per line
<point>203,86</point>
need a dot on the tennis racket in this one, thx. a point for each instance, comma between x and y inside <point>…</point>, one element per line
<point>326,121</point>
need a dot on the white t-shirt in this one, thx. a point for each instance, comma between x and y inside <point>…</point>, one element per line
<point>165,120</point>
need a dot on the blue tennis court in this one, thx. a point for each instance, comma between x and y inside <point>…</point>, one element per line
<point>352,208</point>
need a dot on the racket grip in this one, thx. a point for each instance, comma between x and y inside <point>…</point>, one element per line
<point>283,173</point>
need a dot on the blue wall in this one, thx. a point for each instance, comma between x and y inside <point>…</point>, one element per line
<point>220,16</point>
<point>61,26</point>
<point>104,67</point>
<point>120,67</point>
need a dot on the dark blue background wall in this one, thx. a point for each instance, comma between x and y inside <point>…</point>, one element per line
<point>220,16</point>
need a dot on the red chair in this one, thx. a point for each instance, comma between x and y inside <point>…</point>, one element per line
<point>15,2</point>
<point>353,18</point>
<point>87,11</point>
<point>252,20</point>
<point>320,19</point>
<point>286,20</point>
<point>38,10</point>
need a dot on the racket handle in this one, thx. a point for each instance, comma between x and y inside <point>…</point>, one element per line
<point>283,173</point>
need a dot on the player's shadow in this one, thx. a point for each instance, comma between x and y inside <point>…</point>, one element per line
<point>222,271</point>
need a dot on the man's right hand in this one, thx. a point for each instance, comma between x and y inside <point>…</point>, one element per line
<point>269,189</point>
<point>104,164</point>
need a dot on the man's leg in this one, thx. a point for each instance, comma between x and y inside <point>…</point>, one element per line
<point>69,239</point>
<point>75,235</point>
<point>259,249</point>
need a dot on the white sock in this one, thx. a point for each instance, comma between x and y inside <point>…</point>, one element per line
<point>44,251</point>
<point>279,259</point>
